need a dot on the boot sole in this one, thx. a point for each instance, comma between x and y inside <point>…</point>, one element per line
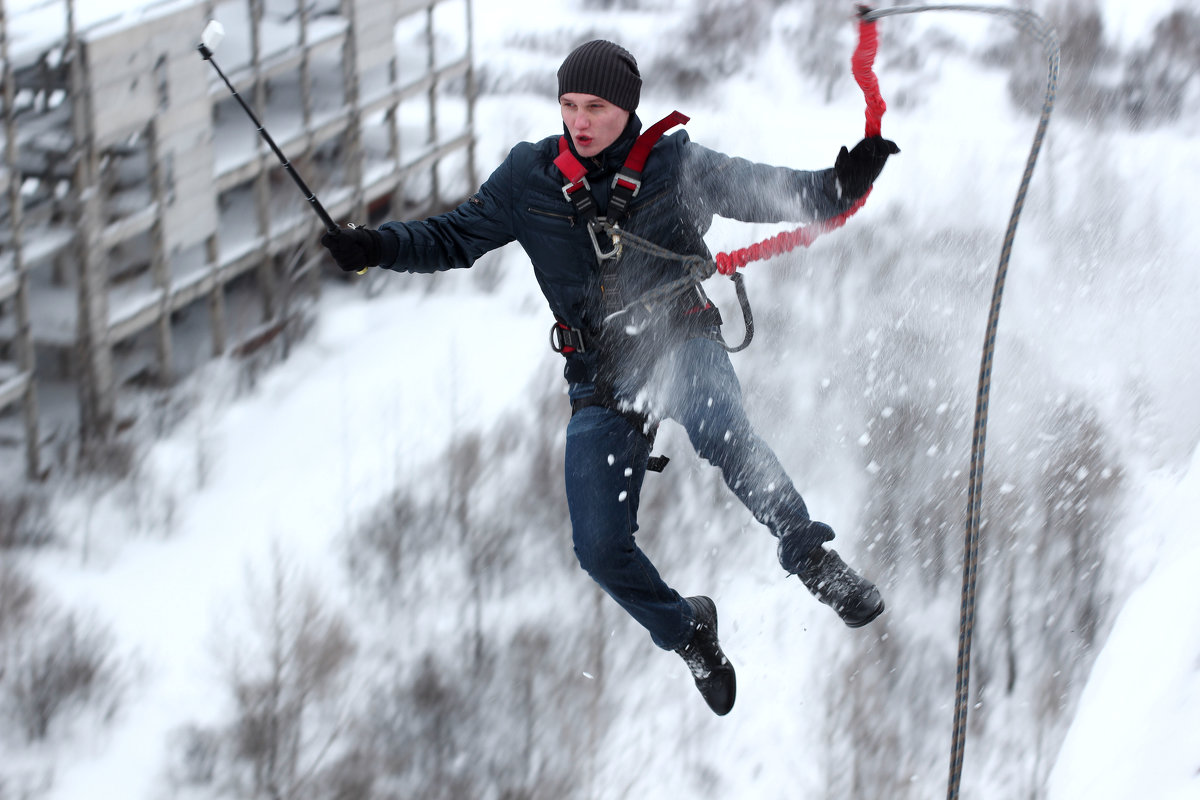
<point>868,620</point>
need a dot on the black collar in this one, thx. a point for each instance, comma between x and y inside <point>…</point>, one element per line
<point>612,157</point>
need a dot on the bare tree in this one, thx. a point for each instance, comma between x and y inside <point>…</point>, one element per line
<point>287,682</point>
<point>59,666</point>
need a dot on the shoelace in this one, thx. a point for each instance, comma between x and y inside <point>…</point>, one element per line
<point>696,662</point>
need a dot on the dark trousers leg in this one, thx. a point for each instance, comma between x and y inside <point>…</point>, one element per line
<point>701,392</point>
<point>605,465</point>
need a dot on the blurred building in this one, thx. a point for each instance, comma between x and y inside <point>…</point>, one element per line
<point>145,225</point>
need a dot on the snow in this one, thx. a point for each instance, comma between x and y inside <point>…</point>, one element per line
<point>1129,22</point>
<point>315,446</point>
<point>1134,735</point>
<point>376,392</point>
<point>33,24</point>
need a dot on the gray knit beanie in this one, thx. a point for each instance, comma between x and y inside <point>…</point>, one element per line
<point>604,69</point>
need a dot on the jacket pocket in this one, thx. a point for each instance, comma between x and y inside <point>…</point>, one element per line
<point>550,220</point>
<point>549,213</point>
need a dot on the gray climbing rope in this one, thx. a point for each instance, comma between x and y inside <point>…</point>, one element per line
<point>1033,25</point>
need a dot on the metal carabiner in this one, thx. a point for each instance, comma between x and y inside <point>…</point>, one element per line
<point>596,228</point>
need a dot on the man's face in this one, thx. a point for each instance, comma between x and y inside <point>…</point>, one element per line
<point>593,122</point>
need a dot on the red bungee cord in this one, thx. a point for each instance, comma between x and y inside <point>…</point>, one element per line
<point>862,65</point>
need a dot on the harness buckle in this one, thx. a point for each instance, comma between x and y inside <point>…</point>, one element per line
<point>565,340</point>
<point>572,187</point>
<point>633,318</point>
<point>596,228</point>
<point>628,181</point>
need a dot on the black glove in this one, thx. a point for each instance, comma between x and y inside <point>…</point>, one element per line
<point>857,169</point>
<point>354,248</point>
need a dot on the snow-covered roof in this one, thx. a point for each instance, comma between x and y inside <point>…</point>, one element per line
<point>35,26</point>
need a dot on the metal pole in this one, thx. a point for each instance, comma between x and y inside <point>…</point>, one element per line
<point>330,225</point>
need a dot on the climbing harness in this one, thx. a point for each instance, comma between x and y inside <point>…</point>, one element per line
<point>607,237</point>
<point>694,307</point>
<point>696,269</point>
<point>605,231</point>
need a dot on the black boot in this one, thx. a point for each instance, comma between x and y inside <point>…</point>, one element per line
<point>855,599</point>
<point>712,672</point>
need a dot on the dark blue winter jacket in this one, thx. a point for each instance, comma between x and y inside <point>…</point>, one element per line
<point>684,186</point>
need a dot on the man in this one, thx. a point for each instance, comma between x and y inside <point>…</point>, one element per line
<point>603,229</point>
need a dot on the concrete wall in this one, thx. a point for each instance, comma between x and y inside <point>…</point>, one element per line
<point>135,187</point>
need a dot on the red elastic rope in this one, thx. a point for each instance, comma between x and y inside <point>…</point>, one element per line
<point>728,263</point>
<point>862,64</point>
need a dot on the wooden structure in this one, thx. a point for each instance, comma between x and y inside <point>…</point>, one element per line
<point>135,190</point>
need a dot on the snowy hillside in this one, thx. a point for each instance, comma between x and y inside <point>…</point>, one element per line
<point>349,574</point>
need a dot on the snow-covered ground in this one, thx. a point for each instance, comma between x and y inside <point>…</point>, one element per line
<point>379,388</point>
<point>1135,732</point>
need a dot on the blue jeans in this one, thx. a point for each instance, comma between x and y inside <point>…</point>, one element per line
<point>695,386</point>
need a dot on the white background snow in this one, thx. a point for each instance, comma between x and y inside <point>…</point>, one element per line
<point>383,383</point>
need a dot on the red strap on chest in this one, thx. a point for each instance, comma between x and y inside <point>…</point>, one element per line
<point>568,164</point>
<point>636,160</point>
<point>574,171</point>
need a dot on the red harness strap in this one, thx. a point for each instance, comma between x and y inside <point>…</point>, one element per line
<point>569,166</point>
<point>577,189</point>
<point>631,171</point>
<point>628,180</point>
